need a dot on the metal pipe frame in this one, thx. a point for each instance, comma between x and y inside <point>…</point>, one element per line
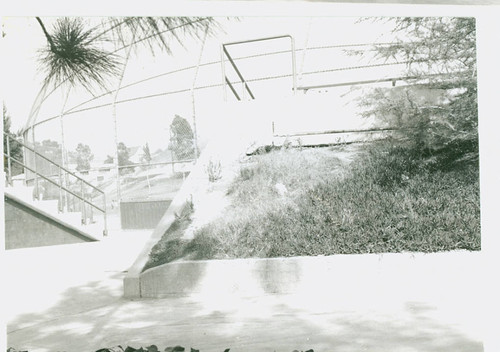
<point>56,184</point>
<point>59,166</point>
<point>59,185</point>
<point>390,79</point>
<point>245,85</point>
<point>224,53</point>
<point>9,164</point>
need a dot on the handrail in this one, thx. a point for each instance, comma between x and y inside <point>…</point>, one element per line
<point>55,183</point>
<point>232,89</point>
<point>56,164</point>
<point>237,72</point>
<point>381,80</point>
<point>157,163</point>
<point>224,53</point>
<point>313,133</point>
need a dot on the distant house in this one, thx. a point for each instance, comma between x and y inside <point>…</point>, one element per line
<point>98,172</point>
<point>104,171</point>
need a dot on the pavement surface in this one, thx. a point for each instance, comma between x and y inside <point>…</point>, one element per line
<point>69,298</point>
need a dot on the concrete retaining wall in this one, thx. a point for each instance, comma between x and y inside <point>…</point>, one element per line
<point>415,273</point>
<point>27,227</point>
<point>195,185</point>
<point>237,128</point>
<point>142,213</point>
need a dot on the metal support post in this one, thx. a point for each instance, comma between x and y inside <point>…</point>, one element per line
<point>61,204</point>
<point>118,190</point>
<point>34,163</point>
<point>91,210</point>
<point>25,158</point>
<point>105,231</point>
<point>294,68</point>
<point>9,166</point>
<point>195,132</point>
<point>222,60</point>
<point>225,53</point>
<point>84,212</point>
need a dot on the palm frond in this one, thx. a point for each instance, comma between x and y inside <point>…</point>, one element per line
<point>160,32</point>
<point>72,56</point>
<point>75,54</point>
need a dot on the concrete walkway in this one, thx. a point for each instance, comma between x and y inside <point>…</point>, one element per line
<point>69,298</point>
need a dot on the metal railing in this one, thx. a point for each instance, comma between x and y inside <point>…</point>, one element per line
<point>85,199</point>
<point>225,53</point>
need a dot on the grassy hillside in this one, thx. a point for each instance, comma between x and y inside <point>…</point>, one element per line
<point>372,198</point>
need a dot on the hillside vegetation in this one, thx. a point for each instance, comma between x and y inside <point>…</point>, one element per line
<point>371,198</point>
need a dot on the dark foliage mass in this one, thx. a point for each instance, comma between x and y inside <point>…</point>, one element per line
<point>90,56</point>
<point>440,110</point>
<point>73,54</point>
<point>182,141</point>
<point>16,149</point>
<point>152,348</point>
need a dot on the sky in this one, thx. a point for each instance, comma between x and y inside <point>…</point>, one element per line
<point>147,120</point>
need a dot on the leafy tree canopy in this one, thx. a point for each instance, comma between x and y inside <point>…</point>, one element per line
<point>442,51</point>
<point>181,138</point>
<point>83,157</point>
<point>16,149</point>
<point>146,154</point>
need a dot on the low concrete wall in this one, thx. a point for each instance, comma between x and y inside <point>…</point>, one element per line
<point>224,147</point>
<point>338,274</point>
<point>26,226</point>
<point>240,126</point>
<point>142,213</point>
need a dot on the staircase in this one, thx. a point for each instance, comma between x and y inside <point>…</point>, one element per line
<point>63,199</point>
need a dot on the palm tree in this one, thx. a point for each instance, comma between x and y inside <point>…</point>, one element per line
<point>77,54</point>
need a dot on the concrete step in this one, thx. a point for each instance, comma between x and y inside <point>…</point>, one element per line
<point>73,218</point>
<point>49,206</point>
<point>20,191</point>
<point>94,229</point>
<point>25,193</point>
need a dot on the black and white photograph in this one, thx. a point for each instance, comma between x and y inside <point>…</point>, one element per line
<point>241,181</point>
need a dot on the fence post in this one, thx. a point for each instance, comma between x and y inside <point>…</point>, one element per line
<point>61,205</point>
<point>172,163</point>
<point>84,215</point>
<point>222,60</point>
<point>25,158</point>
<point>294,69</point>
<point>9,166</point>
<point>195,132</point>
<point>105,232</point>
<point>67,197</point>
<point>34,160</point>
<point>91,210</point>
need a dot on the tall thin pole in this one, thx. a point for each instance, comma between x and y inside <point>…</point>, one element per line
<point>223,69</point>
<point>37,195</point>
<point>304,50</point>
<point>117,166</point>
<point>195,132</point>
<point>63,156</point>
<point>294,69</point>
<point>35,109</point>
<point>9,166</point>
